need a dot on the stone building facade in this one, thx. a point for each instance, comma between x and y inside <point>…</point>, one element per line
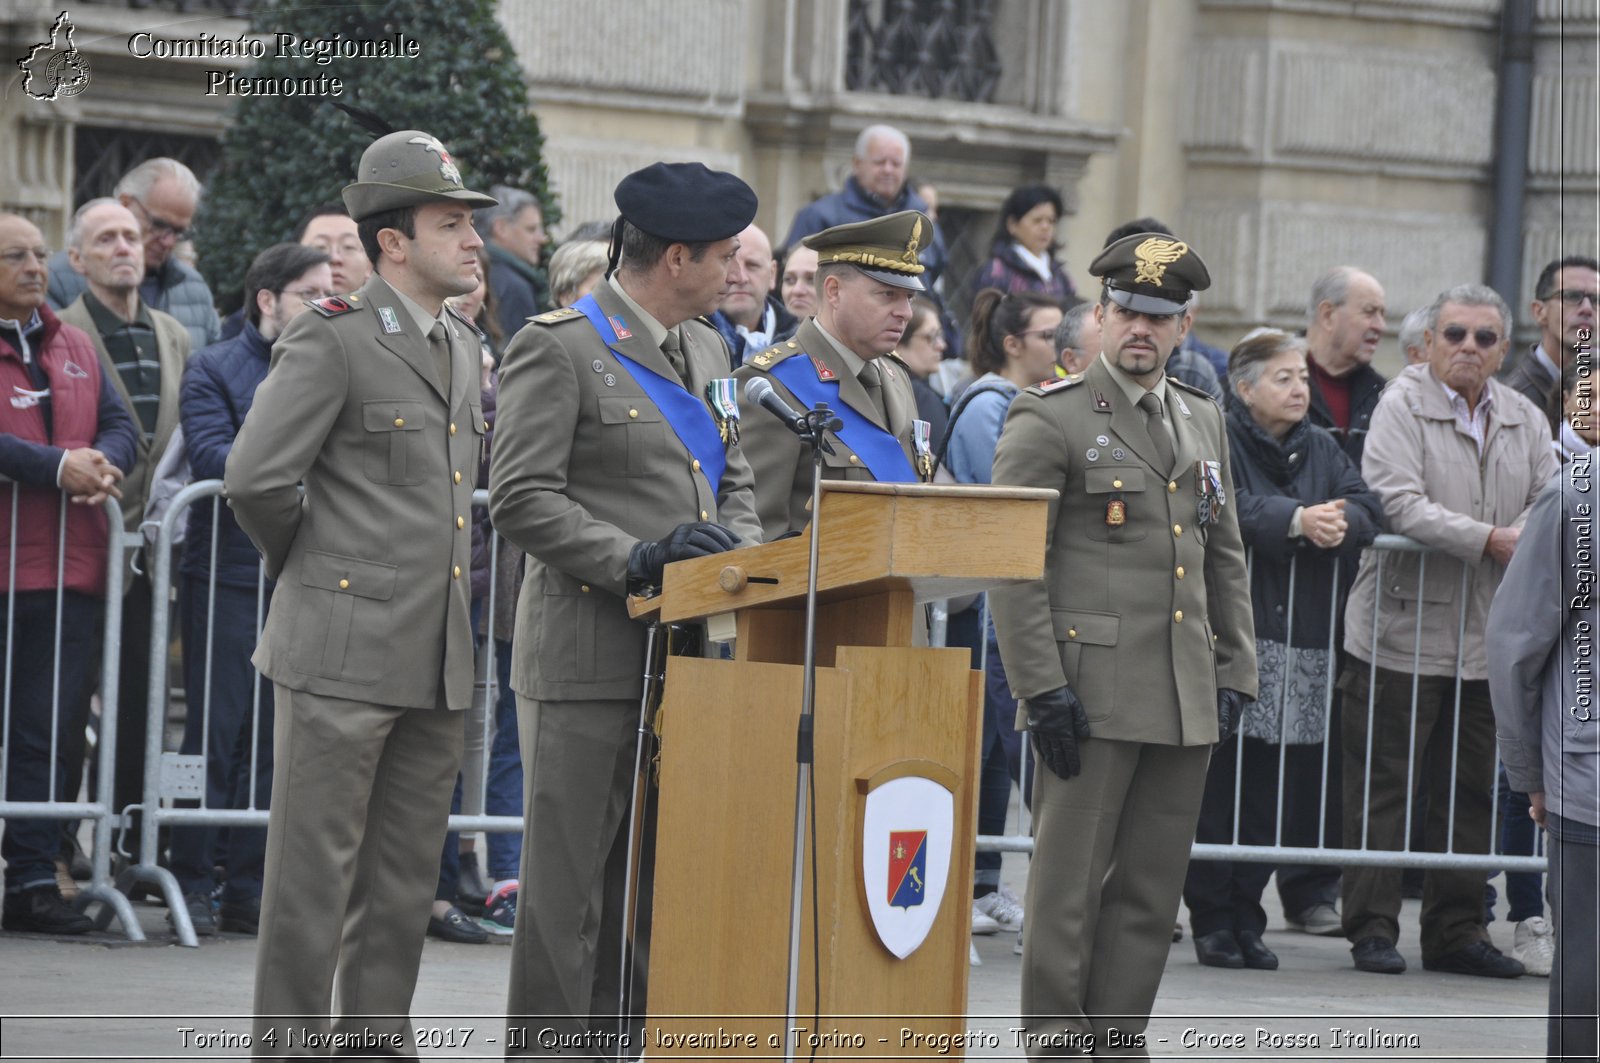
<point>1280,136</point>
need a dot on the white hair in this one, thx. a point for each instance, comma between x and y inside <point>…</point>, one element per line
<point>886,132</point>
<point>138,181</point>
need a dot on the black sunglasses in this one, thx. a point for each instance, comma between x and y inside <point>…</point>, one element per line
<point>1485,337</point>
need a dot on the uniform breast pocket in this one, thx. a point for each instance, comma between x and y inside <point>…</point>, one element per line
<point>1117,509</point>
<point>632,432</point>
<point>479,429</point>
<point>342,596</point>
<point>394,440</point>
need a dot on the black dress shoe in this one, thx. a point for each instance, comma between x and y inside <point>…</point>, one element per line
<point>43,911</point>
<point>1378,956</point>
<point>1479,958</point>
<point>1257,956</point>
<point>1218,949</point>
<point>241,916</point>
<point>455,926</point>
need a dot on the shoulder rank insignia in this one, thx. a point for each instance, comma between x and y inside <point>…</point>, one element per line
<point>1050,387</point>
<point>334,305</point>
<point>554,317</point>
<point>1190,388</point>
<point>773,355</point>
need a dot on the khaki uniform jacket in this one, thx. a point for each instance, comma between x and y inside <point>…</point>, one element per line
<point>782,464</point>
<point>373,562</point>
<point>1144,620</point>
<point>172,346</point>
<point>1437,490</point>
<point>585,466</point>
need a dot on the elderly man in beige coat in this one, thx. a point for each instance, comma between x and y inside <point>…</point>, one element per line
<point>373,405</point>
<point>1457,458</point>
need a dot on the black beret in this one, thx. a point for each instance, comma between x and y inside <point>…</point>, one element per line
<point>686,202</point>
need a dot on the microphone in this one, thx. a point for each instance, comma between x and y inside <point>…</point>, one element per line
<point>758,391</point>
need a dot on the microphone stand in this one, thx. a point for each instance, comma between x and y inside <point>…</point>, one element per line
<point>811,429</point>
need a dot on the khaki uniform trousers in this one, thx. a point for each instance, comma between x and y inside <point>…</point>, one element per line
<point>360,802</point>
<point>1111,847</point>
<point>566,978</point>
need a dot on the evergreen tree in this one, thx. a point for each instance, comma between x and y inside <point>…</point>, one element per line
<point>284,155</point>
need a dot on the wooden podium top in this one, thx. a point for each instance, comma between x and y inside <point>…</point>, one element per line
<point>936,540</point>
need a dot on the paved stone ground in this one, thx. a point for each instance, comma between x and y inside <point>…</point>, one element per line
<point>122,1001</point>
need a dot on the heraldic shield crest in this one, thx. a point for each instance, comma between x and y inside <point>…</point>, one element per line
<point>906,834</point>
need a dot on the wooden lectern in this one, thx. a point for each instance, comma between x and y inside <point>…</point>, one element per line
<point>884,710</point>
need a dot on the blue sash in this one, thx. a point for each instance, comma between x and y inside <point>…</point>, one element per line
<point>878,450</point>
<point>687,415</point>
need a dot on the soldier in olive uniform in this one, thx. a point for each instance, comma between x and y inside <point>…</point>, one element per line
<point>1131,657</point>
<point>373,405</point>
<point>616,453</point>
<point>867,273</point>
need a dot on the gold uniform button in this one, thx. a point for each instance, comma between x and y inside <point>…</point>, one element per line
<point>1116,484</point>
<point>461,522</point>
<point>1072,632</point>
<point>455,573</point>
<point>704,515</point>
<point>633,413</point>
<point>1177,529</point>
<point>486,426</point>
<point>584,588</point>
<point>854,460</point>
<point>452,428</point>
<point>1177,617</point>
<point>697,465</point>
<point>1172,487</point>
<point>344,584</point>
<point>399,422</point>
<point>458,477</point>
<point>1179,571</point>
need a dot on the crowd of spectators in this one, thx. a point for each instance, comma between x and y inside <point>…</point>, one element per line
<point>127,383</point>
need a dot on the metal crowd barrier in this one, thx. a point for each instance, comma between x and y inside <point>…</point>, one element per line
<point>99,808</point>
<point>1331,851</point>
<point>176,777</point>
<point>173,777</point>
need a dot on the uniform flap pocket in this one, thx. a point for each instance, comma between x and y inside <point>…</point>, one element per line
<point>1104,481</point>
<point>347,575</point>
<point>620,409</point>
<point>1077,625</point>
<point>392,415</point>
<point>476,417</point>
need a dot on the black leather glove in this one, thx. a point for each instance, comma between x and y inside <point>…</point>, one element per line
<point>1057,721</point>
<point>695,539</point>
<point>1230,710</point>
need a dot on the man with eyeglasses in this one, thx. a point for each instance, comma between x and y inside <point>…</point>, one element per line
<point>1564,307</point>
<point>63,430</point>
<point>218,609</point>
<point>163,195</point>
<point>142,351</point>
<point>1457,458</point>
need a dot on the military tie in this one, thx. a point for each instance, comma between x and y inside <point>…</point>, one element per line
<point>674,353</point>
<point>871,378</point>
<point>439,345</point>
<point>1160,438</point>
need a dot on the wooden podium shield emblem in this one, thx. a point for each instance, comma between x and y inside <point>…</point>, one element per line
<point>906,835</point>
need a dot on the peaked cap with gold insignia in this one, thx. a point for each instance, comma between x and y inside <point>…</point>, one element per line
<point>1151,273</point>
<point>885,248</point>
